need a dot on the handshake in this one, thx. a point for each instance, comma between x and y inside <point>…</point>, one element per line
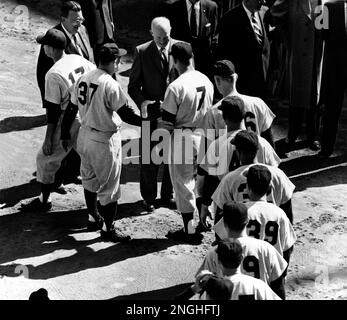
<point>150,110</point>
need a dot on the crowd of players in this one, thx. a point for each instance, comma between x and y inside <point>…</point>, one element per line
<point>231,176</point>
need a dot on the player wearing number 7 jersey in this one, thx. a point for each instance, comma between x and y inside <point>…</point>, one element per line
<point>59,82</point>
<point>102,105</point>
<point>186,101</point>
<point>260,259</point>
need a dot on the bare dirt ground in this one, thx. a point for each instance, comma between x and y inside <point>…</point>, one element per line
<point>54,250</point>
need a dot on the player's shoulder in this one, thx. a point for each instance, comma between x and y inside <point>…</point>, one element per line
<point>251,243</point>
<point>237,173</point>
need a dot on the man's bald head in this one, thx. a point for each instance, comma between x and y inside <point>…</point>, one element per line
<point>160,30</point>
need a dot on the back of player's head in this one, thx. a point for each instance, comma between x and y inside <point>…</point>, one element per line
<point>182,52</point>
<point>39,295</point>
<point>235,216</point>
<point>233,109</point>
<point>109,52</point>
<point>68,6</point>
<point>224,69</point>
<point>218,288</point>
<point>258,179</point>
<point>246,142</point>
<point>229,253</point>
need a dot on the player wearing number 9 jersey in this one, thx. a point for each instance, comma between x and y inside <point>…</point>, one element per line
<point>233,187</point>
<point>102,106</point>
<point>59,82</point>
<point>186,101</point>
<point>260,259</point>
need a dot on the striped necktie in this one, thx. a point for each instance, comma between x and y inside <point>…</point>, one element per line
<point>164,60</point>
<point>77,45</point>
<point>257,29</point>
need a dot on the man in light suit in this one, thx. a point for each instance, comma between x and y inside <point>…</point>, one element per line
<point>77,43</point>
<point>195,22</point>
<point>242,39</point>
<point>296,18</point>
<point>334,73</point>
<point>150,75</point>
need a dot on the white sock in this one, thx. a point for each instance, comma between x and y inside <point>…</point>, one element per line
<point>104,227</point>
<point>41,198</point>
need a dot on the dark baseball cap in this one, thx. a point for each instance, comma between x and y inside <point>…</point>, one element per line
<point>246,140</point>
<point>181,51</point>
<point>223,68</point>
<point>53,38</point>
<point>235,215</point>
<point>258,179</point>
<point>110,51</point>
<point>233,108</point>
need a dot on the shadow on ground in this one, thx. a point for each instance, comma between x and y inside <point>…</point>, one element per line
<point>160,294</point>
<point>43,234</point>
<point>21,123</point>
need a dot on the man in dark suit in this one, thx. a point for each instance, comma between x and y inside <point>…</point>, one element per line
<point>150,75</point>
<point>334,73</point>
<point>195,22</point>
<point>77,43</point>
<point>98,21</point>
<point>243,40</point>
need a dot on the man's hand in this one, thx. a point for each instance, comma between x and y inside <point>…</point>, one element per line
<point>47,147</point>
<point>200,281</point>
<point>144,106</point>
<point>204,214</point>
<point>65,144</point>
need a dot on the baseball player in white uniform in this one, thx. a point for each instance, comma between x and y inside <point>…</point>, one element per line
<point>233,187</point>
<point>59,83</point>
<point>102,106</point>
<point>258,116</point>
<point>266,221</point>
<point>186,102</point>
<point>260,259</point>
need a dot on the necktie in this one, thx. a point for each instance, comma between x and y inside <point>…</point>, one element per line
<point>77,45</point>
<point>193,24</point>
<point>257,29</point>
<point>164,61</point>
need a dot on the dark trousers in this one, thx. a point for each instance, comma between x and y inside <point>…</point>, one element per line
<point>335,82</point>
<point>149,177</point>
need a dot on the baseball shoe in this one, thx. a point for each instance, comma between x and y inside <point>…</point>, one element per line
<point>95,225</point>
<point>170,203</point>
<point>324,154</point>
<point>36,206</point>
<point>314,145</point>
<point>114,235</point>
<point>182,236</point>
<point>148,206</point>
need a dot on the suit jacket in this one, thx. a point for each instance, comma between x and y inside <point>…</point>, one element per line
<point>147,80</point>
<point>304,45</point>
<point>44,63</point>
<point>99,20</point>
<point>237,42</point>
<point>203,44</point>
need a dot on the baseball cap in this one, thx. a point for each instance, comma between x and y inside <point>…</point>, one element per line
<point>54,38</point>
<point>233,107</point>
<point>246,140</point>
<point>181,51</point>
<point>224,68</point>
<point>110,51</point>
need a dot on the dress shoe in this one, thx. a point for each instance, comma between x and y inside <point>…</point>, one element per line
<point>148,206</point>
<point>314,145</point>
<point>60,189</point>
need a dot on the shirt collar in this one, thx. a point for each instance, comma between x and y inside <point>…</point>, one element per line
<point>67,32</point>
<point>189,4</point>
<point>166,48</point>
<point>249,13</point>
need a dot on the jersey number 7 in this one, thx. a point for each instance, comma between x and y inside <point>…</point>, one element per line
<point>202,98</point>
